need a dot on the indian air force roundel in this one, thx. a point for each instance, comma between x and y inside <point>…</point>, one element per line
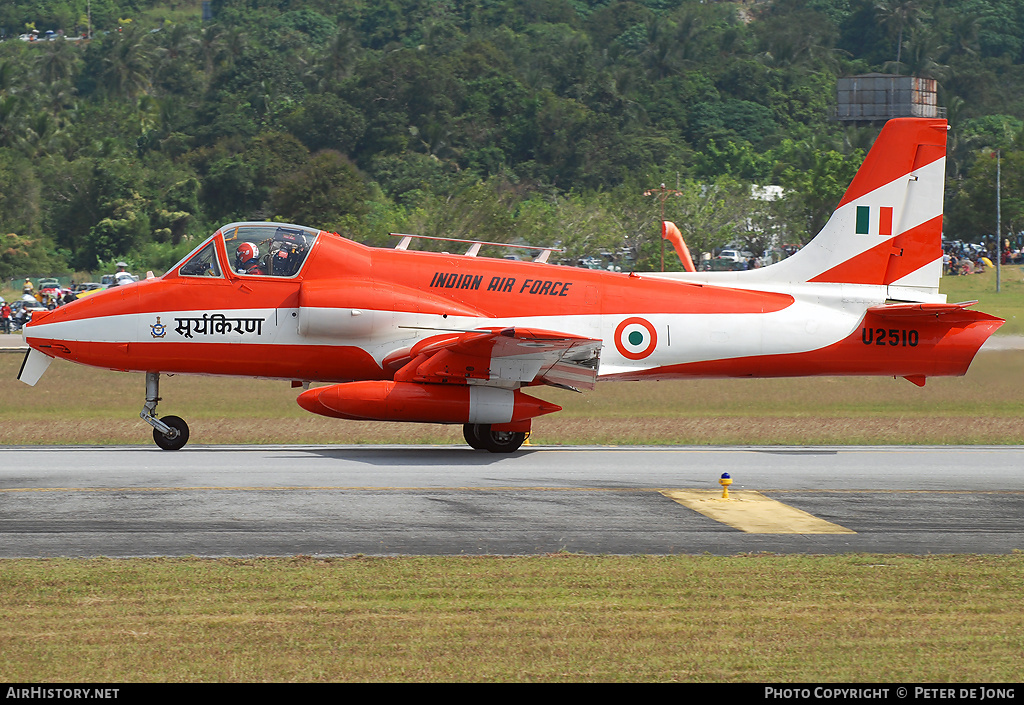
<point>635,338</point>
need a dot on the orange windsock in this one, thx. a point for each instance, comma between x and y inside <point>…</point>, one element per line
<point>670,232</point>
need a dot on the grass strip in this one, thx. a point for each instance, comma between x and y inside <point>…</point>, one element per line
<point>565,617</point>
<point>78,405</point>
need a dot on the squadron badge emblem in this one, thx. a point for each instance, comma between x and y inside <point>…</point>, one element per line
<point>158,329</point>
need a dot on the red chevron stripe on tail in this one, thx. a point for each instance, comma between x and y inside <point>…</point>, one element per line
<point>903,146</point>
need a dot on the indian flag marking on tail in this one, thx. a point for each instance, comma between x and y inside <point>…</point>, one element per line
<point>635,338</point>
<point>885,220</point>
<point>865,219</point>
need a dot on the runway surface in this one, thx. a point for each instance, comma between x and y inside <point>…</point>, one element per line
<point>394,500</point>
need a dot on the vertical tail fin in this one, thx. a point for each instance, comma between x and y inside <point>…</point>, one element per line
<point>887,229</point>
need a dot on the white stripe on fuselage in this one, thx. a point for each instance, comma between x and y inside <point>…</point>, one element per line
<point>822,316</point>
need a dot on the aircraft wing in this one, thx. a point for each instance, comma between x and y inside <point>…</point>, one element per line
<point>506,357</point>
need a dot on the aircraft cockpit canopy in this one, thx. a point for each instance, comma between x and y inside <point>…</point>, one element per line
<point>267,249</point>
<point>255,249</point>
<point>202,263</point>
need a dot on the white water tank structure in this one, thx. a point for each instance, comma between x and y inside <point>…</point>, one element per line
<point>878,97</point>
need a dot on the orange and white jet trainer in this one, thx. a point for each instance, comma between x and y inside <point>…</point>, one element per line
<point>413,336</point>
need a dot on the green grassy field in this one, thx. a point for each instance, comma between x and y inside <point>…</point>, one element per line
<point>79,405</point>
<point>773,619</point>
<point>1008,303</point>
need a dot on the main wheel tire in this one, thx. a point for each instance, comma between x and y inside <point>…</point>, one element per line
<point>176,443</point>
<point>471,432</point>
<point>501,441</point>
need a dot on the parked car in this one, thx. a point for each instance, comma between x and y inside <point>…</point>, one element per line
<point>725,264</point>
<point>736,255</point>
<point>50,288</point>
<point>125,278</point>
<point>108,280</point>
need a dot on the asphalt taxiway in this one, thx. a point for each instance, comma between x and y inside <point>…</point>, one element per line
<point>431,500</point>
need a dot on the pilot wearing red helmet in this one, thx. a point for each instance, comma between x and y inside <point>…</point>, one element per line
<point>247,259</point>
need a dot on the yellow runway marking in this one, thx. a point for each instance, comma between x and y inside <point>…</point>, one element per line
<point>753,513</point>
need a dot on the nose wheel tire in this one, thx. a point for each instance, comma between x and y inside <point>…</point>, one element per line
<point>481,437</point>
<point>178,441</point>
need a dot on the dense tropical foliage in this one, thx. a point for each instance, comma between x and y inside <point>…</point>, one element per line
<point>541,121</point>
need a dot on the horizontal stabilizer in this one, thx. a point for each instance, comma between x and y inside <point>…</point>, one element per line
<point>947,313</point>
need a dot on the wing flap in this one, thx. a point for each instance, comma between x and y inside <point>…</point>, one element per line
<point>505,357</point>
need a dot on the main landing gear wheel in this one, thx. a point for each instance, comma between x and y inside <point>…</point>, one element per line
<point>180,437</point>
<point>481,437</point>
<point>470,431</point>
<point>170,432</point>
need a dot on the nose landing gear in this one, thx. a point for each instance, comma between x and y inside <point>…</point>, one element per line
<point>170,432</point>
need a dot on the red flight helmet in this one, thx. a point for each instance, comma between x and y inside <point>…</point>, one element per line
<point>246,255</point>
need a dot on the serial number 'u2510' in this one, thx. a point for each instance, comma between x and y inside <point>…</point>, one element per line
<point>895,337</point>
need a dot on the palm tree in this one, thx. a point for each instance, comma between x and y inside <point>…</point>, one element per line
<point>923,47</point>
<point>126,63</point>
<point>960,148</point>
<point>898,16</point>
<point>11,109</point>
<point>43,135</point>
<point>662,55</point>
<point>963,34</point>
<point>57,62</point>
<point>9,83</point>
<point>177,40</point>
<point>57,99</point>
<point>211,48</point>
<point>339,56</point>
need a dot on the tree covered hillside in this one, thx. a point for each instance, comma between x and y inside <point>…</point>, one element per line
<point>536,120</point>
